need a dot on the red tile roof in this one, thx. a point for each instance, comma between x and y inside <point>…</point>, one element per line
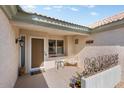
<point>108,20</point>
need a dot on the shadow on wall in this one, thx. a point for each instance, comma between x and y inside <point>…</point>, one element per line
<point>94,51</point>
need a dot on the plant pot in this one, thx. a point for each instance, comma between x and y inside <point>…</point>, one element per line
<point>21,71</point>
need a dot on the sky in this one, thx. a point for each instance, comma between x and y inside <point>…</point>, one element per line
<point>78,14</point>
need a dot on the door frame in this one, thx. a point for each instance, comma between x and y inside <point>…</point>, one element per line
<point>35,37</point>
<point>20,51</point>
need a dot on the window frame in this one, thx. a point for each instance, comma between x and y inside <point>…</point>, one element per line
<point>56,47</point>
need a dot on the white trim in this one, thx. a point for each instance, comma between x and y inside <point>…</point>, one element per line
<point>61,55</point>
<point>32,69</point>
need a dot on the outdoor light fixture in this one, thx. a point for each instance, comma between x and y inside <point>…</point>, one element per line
<point>20,40</point>
<point>76,41</point>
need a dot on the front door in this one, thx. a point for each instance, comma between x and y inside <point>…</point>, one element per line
<point>37,53</point>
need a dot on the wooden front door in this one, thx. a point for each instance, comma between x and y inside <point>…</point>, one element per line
<point>37,52</point>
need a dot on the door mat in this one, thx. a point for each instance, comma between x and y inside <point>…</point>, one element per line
<point>35,72</point>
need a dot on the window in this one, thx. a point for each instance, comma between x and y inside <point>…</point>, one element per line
<point>56,48</point>
<point>60,47</point>
<point>52,47</point>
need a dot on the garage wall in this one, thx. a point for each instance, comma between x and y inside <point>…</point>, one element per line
<point>8,53</point>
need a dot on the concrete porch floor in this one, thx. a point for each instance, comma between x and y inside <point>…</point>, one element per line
<point>51,78</point>
<point>34,81</point>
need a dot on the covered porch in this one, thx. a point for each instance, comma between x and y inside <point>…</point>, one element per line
<point>53,44</point>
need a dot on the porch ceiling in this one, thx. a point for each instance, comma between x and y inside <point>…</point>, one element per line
<point>51,31</point>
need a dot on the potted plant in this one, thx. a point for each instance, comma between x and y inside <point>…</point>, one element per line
<point>21,71</point>
<point>75,81</point>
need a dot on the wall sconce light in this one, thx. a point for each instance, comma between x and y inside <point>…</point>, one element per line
<point>76,41</point>
<point>20,41</point>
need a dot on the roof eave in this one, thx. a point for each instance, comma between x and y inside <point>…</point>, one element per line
<point>49,25</point>
<point>110,26</point>
<point>9,10</point>
<point>13,11</point>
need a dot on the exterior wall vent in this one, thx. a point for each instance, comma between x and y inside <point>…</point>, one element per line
<point>89,41</point>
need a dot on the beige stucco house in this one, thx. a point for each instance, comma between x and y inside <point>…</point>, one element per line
<point>36,41</point>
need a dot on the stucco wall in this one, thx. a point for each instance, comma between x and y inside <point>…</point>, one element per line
<point>81,43</point>
<point>105,79</point>
<point>110,38</point>
<point>8,53</point>
<point>94,51</point>
<point>110,41</point>
<point>69,44</point>
<point>104,38</point>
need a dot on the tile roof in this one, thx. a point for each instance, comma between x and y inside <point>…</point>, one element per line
<point>107,20</point>
<point>39,18</point>
<point>99,23</point>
